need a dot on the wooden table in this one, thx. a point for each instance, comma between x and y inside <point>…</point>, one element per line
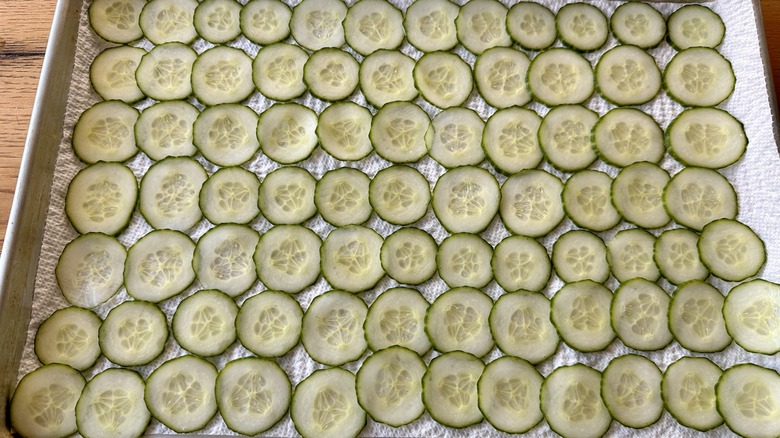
<point>24,30</point>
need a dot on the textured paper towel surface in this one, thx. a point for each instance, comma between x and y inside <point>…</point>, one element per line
<point>754,177</point>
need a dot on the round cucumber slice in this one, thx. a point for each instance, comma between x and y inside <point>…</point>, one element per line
<point>706,137</point>
<point>112,405</point>
<point>677,256</point>
<point>350,258</point>
<point>269,323</point>
<point>205,323</point>
<point>223,259</point>
<point>288,258</point>
<point>637,194</point>
<point>70,337</point>
<point>466,199</point>
<point>165,130</point>
<point>747,395</point>
<point>343,131</point>
<point>580,314</point>
<point>409,256</point>
<point>699,76</point>
<point>165,73</point>
<point>586,200</point>
<point>531,203</point>
<point>277,71</point>
<point>89,270</point>
<point>287,196</point>
<point>631,390</point>
<point>117,22</point>
<point>627,75</point>
<point>159,265</point>
<point>397,317</point>
<point>104,132</point>
<point>443,78</point>
<point>400,132</point>
<point>265,22</point>
<point>521,263</point>
<point>400,194</point>
<point>134,333</point>
<point>521,326</point>
<point>457,138</point>
<point>695,26</point>
<point>44,402</point>
<point>458,320</point>
<point>639,24</point>
<point>625,136</point>
<point>430,25</point>
<point>509,390</point>
<point>226,134</point>
<point>640,315</point>
<point>560,76</point>
<point>287,132</point>
<point>112,73</point>
<point>450,389</point>
<point>696,196</point>
<point>387,76</point>
<point>169,193</point>
<point>571,402</point>
<point>325,405</point>
<point>230,195</point>
<point>630,255</point>
<point>510,140</point>
<point>331,74</point>
<point>582,26</point>
<point>580,255</point>
<point>696,318</point>
<point>465,260</point>
<point>500,74</point>
<point>481,24</point>
<point>332,331</point>
<point>101,198</point>
<point>342,197</point>
<point>217,21</point>
<point>531,25</point>
<point>372,25</point>
<point>222,74</point>
<point>731,250</point>
<point>165,21</point>
<point>564,137</point>
<point>317,24</point>
<point>750,312</point>
<point>688,390</point>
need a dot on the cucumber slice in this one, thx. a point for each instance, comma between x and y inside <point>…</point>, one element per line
<point>521,326</point>
<point>134,333</point>
<point>165,130</point>
<point>464,259</point>
<point>116,22</point>
<point>372,25</point>
<point>400,132</point>
<point>443,78</point>
<point>159,266</point>
<point>317,24</point>
<point>639,24</point>
<point>44,402</point>
<point>531,203</point>
<point>466,199</point>
<point>627,75</point>
<point>69,336</point>
<point>252,395</point>
<point>287,196</point>
<point>325,405</point>
<point>521,263</point>
<point>342,197</point>
<point>343,129</point>
<point>695,26</point>
<point>350,258</point>
<point>747,396</point>
<point>166,21</point>
<point>564,137</point>
<point>699,76</point>
<point>582,27</point>
<point>331,74</point>
<point>226,134</point>
<point>630,255</point>
<point>222,74</point>
<point>450,389</point>
<point>265,22</point>
<point>389,386</point>
<point>169,192</point>
<point>560,76</point>
<point>409,256</point>
<point>101,198</point>
<point>571,402</point>
<point>631,390</point>
<point>89,270</point>
<point>481,24</point>
<point>531,25</point>
<point>750,312</point>
<point>288,258</point>
<point>387,76</point>
<point>695,197</point>
<point>637,194</point>
<point>269,323</point>
<point>624,136</point>
<point>287,132</point>
<point>165,73</point>
<point>500,74</point>
<point>509,391</point>
<point>731,250</point>
<point>230,195</point>
<point>430,25</point>
<point>580,313</point>
<point>277,71</point>
<point>580,255</point>
<point>180,393</point>
<point>217,21</point>
<point>397,317</point>
<point>400,194</point>
<point>104,132</point>
<point>706,137</point>
<point>510,140</point>
<point>696,318</point>
<point>112,73</point>
<point>688,390</point>
<point>677,256</point>
<point>205,323</point>
<point>223,259</point>
<point>639,315</point>
<point>457,138</point>
<point>112,405</point>
<point>333,328</point>
<point>458,320</point>
<point>586,200</point>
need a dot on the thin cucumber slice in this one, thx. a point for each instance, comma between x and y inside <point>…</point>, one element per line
<point>223,259</point>
<point>112,405</point>
<point>750,312</point>
<point>688,390</point>
<point>287,132</point>
<point>69,336</point>
<point>400,194</point>
<point>269,323</point>
<point>531,25</point>
<point>226,134</point>
<point>287,196</point>
<point>457,138</point>
<point>466,199</point>
<point>134,333</point>
<point>637,194</point>
<point>582,27</point>
<point>450,389</point>
<point>696,318</point>
<point>464,259</point>
<point>222,74</point>
<point>443,78</point>
<point>500,74</point>
<point>372,25</point>
<point>159,266</point>
<point>90,268</point>
<point>389,386</point>
<point>695,26</point>
<point>230,195</point>
<point>409,256</point>
<point>510,140</point>
<point>342,197</point>
<point>317,24</point>
<point>325,405</point>
<point>387,76</point>
<point>117,22</point>
<point>630,255</point>
<point>252,395</point>
<point>580,255</point>
<point>509,391</point>
<point>521,326</point>
<point>639,24</point>
<point>166,21</point>
<point>627,75</point>
<point>400,132</point>
<point>333,328</point>
<point>521,263</point>
<point>631,390</point>
<point>277,71</point>
<point>288,258</point>
<point>343,129</point>
<point>625,136</point>
<point>564,137</point>
<point>560,76</point>
<point>571,402</point>
<point>430,25</point>
<point>481,24</point>
<point>265,22</point>
<point>639,315</point>
<point>104,132</point>
<point>168,197</point>
<point>350,258</point>
<point>101,198</point>
<point>731,250</point>
<point>165,73</point>
<point>165,130</point>
<point>706,137</point>
<point>205,323</point>
<point>677,256</point>
<point>44,402</point>
<point>458,320</point>
<point>747,395</point>
<point>217,21</point>
<point>696,196</point>
<point>112,73</point>
<point>331,74</point>
<point>580,314</point>
<point>397,317</point>
<point>699,76</point>
<point>531,203</point>
<point>180,393</point>
<point>586,200</point>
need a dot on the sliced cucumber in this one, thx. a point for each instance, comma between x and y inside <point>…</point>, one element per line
<point>457,137</point>
<point>586,200</point>
<point>265,22</point>
<point>230,195</point>
<point>481,24</point>
<point>400,194</point>
<point>731,250</point>
<point>90,268</point>
<point>342,197</point>
<point>226,134</point>
<point>269,323</point>
<point>372,25</point>
<point>696,317</point>
<point>287,196</point>
<point>112,73</point>
<point>443,78</point>
<point>277,71</point>
<point>688,390</point>
<point>464,259</point>
<point>430,25</point>
<point>397,317</point>
<point>639,24</point>
<point>627,75</point>
<point>44,402</point>
<point>331,74</point>
<point>166,130</point>
<point>521,263</point>
<point>630,255</point>
<point>116,22</point>
<point>631,390</point>
<point>205,323</point>
<point>580,314</point>
<point>168,198</point>
<point>165,73</point>
<point>223,259</point>
<point>696,196</point>
<point>222,74</point>
<point>510,140</point>
<point>333,328</point>
<point>287,132</point>
<point>104,132</point>
<point>450,389</point>
<point>101,198</point>
<point>699,76</point>
<point>400,132</point>
<point>560,76</point>
<point>350,258</point>
<point>500,74</point>
<point>531,25</point>
<point>217,21</point>
<point>531,203</point>
<point>112,405</point>
<point>582,26</point>
<point>695,26</point>
<point>509,391</point>
<point>564,137</point>
<point>466,199</point>
<point>409,256</point>
<point>521,326</point>
<point>706,137</point>
<point>747,397</point>
<point>325,405</point>
<point>751,310</point>
<point>159,265</point>
<point>580,255</point>
<point>166,21</point>
<point>134,333</point>
<point>458,320</point>
<point>387,76</point>
<point>69,336</point>
<point>317,24</point>
<point>288,258</point>
<point>343,129</point>
<point>637,194</point>
<point>625,136</point>
<point>571,402</point>
<point>677,256</point>
<point>639,315</point>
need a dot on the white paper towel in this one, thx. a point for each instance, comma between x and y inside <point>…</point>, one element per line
<point>754,177</point>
